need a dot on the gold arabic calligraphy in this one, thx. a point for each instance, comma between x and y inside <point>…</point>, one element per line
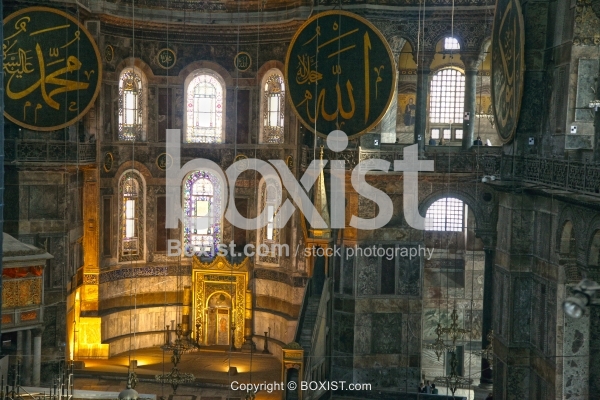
<point>51,70</point>
<point>307,73</point>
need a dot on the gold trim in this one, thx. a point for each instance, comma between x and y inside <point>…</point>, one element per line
<point>98,58</point>
<point>520,97</point>
<point>235,61</point>
<point>112,160</point>
<point>212,277</point>
<point>174,57</point>
<point>386,45</point>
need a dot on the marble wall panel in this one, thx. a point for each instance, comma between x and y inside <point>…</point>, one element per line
<point>522,230</point>
<point>278,290</point>
<point>474,284</point>
<point>280,328</point>
<point>594,382</point>
<point>343,332</point>
<point>517,383</point>
<point>367,279</point>
<point>348,275</point>
<point>521,310</point>
<point>409,277</point>
<point>576,350</point>
<point>151,319</point>
<point>363,333</point>
<point>384,333</point>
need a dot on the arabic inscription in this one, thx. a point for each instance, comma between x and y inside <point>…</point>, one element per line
<point>340,73</point>
<point>52,69</point>
<point>507,67</point>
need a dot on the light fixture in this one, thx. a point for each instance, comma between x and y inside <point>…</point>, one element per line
<point>488,178</point>
<point>584,294</point>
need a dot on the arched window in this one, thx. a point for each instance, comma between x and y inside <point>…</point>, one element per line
<point>131,102</point>
<point>204,108</point>
<point>202,213</point>
<point>447,214</point>
<point>451,43</point>
<point>447,97</point>
<point>131,193</point>
<point>270,198</point>
<point>273,107</point>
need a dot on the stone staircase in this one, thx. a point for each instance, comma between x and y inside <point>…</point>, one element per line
<point>310,318</point>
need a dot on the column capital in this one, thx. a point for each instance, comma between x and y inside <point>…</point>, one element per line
<point>488,237</point>
<point>38,331</point>
<point>472,61</point>
<point>423,61</point>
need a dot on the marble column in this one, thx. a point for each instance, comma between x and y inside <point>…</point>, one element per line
<point>423,71</point>
<point>37,356</point>
<point>597,129</point>
<point>27,361</point>
<point>388,123</point>
<point>486,379</point>
<point>19,344</point>
<point>469,107</point>
<point>472,62</point>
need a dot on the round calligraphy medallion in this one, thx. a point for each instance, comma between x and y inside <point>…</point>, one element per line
<point>166,58</point>
<point>109,53</point>
<point>508,66</point>
<point>52,69</point>
<point>164,161</point>
<point>340,74</point>
<point>243,165</point>
<point>108,162</point>
<point>242,61</point>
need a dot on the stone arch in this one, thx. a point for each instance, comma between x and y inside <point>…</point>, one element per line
<point>467,198</point>
<point>566,247</point>
<point>474,231</point>
<point>139,167</point>
<point>266,67</point>
<point>209,65</point>
<point>446,33</point>
<point>133,62</point>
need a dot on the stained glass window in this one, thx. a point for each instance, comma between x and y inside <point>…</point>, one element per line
<point>273,107</point>
<point>130,105</point>
<point>204,110</point>
<point>447,214</point>
<point>447,97</point>
<point>270,198</point>
<point>131,189</point>
<point>202,213</point>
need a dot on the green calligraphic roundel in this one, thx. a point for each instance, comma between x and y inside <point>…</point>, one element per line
<point>340,74</point>
<point>508,66</point>
<point>52,69</point>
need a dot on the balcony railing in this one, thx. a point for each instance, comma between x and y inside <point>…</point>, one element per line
<point>488,161</point>
<point>59,152</point>
<point>562,174</point>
